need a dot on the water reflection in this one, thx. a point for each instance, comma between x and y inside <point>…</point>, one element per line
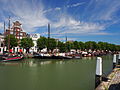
<point>74,74</point>
<point>37,62</point>
<point>88,58</point>
<point>9,63</point>
<point>31,63</point>
<point>41,62</point>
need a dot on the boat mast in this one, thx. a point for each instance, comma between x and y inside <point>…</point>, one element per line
<point>4,36</point>
<point>48,36</point>
<point>66,39</point>
<point>8,33</point>
<point>66,43</point>
<point>48,30</point>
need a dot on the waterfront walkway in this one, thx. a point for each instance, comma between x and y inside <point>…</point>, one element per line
<point>113,83</point>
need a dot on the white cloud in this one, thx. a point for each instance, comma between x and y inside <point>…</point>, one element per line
<point>102,10</point>
<point>75,5</point>
<point>1,26</point>
<point>52,9</point>
<point>57,8</point>
<point>48,10</point>
<point>29,14</point>
<point>69,25</point>
<point>65,21</point>
<point>33,15</point>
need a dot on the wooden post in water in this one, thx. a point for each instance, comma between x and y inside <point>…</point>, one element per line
<point>114,61</point>
<point>98,76</point>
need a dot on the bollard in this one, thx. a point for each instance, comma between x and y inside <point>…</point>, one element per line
<point>98,76</point>
<point>119,59</point>
<point>114,61</point>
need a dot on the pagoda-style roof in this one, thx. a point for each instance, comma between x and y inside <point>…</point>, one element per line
<point>17,23</point>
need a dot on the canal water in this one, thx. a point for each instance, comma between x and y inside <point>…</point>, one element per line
<point>36,74</point>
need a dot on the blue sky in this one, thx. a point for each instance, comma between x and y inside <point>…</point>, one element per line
<point>81,20</point>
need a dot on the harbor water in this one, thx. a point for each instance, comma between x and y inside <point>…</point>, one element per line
<point>37,74</point>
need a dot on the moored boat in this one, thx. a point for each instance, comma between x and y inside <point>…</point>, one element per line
<point>11,58</point>
<point>61,57</point>
<point>42,56</point>
<point>77,57</point>
<point>57,57</point>
<point>52,56</point>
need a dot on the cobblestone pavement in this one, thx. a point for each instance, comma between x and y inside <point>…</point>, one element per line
<point>113,83</point>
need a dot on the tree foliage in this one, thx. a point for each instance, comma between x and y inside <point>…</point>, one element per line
<point>52,43</point>
<point>76,45</point>
<point>82,45</point>
<point>61,46</point>
<point>27,43</point>
<point>67,46</point>
<point>91,45</point>
<point>13,41</point>
<point>44,42</point>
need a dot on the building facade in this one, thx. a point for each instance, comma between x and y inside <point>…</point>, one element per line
<point>16,30</point>
<point>1,43</point>
<point>34,37</point>
<point>1,40</point>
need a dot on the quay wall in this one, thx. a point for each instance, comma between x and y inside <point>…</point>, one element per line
<point>113,82</point>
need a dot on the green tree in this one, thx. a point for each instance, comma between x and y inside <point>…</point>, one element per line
<point>111,47</point>
<point>42,42</point>
<point>103,45</point>
<point>91,45</point>
<point>76,45</point>
<point>117,48</point>
<point>27,43</point>
<point>61,46</point>
<point>13,41</point>
<point>82,45</point>
<point>52,43</point>
<point>69,46</point>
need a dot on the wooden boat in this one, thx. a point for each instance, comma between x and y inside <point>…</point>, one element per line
<point>77,57</point>
<point>61,57</point>
<point>42,56</point>
<point>12,58</point>
<point>57,57</point>
<point>67,57</point>
<point>47,56</point>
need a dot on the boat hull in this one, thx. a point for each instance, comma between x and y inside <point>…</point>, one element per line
<point>52,57</point>
<point>12,59</point>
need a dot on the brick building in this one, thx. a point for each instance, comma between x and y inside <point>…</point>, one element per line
<point>16,30</point>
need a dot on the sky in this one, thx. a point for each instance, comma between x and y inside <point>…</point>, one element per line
<point>81,20</point>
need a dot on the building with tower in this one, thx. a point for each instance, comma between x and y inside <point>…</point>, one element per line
<point>16,30</point>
